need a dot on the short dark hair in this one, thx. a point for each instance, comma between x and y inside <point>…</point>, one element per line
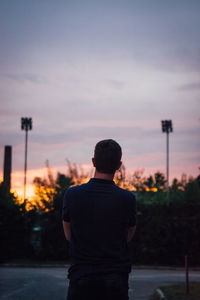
<point>107,155</point>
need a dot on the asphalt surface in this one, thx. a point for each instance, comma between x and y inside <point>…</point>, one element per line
<point>52,284</point>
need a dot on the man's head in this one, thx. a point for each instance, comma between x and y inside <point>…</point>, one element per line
<point>107,156</point>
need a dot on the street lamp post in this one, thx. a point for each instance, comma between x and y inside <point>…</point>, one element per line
<point>167,127</point>
<point>26,124</point>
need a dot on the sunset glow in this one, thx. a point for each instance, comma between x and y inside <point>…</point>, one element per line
<point>101,69</point>
<point>17,178</point>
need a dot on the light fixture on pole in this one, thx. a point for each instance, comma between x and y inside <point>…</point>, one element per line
<point>167,127</point>
<point>26,124</point>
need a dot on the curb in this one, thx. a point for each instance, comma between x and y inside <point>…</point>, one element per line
<point>66,265</point>
<point>12,265</point>
<point>160,294</point>
<point>135,267</point>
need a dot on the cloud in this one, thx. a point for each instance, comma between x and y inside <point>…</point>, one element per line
<point>25,77</point>
<point>116,84</point>
<point>190,86</point>
<point>109,70</point>
<point>80,134</point>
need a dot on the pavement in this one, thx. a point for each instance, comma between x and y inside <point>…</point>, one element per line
<point>51,283</point>
<point>143,282</point>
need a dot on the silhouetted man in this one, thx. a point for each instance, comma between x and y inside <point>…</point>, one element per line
<point>99,218</point>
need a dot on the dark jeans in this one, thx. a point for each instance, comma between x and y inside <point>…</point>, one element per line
<point>99,287</point>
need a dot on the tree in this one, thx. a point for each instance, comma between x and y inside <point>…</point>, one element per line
<point>138,180</point>
<point>49,193</point>
<point>192,191</point>
<point>14,227</point>
<point>48,190</point>
<point>77,173</point>
<point>121,179</point>
<point>159,180</point>
<point>149,182</point>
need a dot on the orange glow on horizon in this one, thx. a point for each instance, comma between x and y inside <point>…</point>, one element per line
<point>151,190</point>
<point>17,180</point>
<point>19,191</point>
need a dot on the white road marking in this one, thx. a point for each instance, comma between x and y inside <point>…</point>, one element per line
<point>160,293</point>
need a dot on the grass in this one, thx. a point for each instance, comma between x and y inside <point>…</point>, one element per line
<point>177,292</point>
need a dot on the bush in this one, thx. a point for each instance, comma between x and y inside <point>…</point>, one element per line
<point>166,233</point>
<point>14,228</point>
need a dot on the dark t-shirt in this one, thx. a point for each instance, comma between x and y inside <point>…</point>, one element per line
<point>100,214</point>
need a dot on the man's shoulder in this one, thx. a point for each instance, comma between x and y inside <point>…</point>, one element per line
<point>76,188</point>
<point>125,193</point>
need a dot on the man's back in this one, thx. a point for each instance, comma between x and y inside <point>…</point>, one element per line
<point>99,219</point>
<point>100,214</point>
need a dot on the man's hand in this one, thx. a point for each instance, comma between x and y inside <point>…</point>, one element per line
<point>67,230</point>
<point>131,232</point>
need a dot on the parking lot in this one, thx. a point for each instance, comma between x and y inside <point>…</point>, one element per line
<point>51,283</point>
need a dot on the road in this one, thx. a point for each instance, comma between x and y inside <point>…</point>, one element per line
<point>51,283</point>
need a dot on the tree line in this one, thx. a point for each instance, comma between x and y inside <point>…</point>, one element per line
<point>168,226</point>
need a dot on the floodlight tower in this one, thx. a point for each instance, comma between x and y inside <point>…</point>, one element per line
<point>167,127</point>
<point>26,124</point>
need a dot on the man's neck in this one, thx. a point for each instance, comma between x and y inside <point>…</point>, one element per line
<point>103,175</point>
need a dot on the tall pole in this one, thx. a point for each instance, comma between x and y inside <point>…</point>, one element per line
<point>167,162</point>
<point>26,124</point>
<point>167,127</point>
<point>25,163</point>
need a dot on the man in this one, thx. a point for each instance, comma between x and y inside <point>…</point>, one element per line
<point>99,219</point>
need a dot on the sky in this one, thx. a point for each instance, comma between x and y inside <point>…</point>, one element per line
<point>90,70</point>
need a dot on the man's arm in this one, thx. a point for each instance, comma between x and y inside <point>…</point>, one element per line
<point>67,229</point>
<point>131,232</point>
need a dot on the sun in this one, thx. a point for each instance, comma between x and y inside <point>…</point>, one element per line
<point>19,191</point>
